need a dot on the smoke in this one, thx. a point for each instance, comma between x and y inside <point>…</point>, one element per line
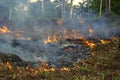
<point>27,17</point>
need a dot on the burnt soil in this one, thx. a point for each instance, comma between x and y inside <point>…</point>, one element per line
<point>104,64</point>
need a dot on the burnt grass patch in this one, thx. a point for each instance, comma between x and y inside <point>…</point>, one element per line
<point>103,65</point>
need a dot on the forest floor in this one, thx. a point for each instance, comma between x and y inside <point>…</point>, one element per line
<point>103,65</point>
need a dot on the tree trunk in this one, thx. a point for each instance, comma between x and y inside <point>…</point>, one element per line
<point>107,11</point>
<point>100,12</point>
<point>71,9</point>
<point>10,13</point>
<point>63,10</point>
<point>109,6</point>
<point>88,7</point>
<point>42,7</point>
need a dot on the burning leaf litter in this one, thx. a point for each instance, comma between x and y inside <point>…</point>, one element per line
<point>60,50</point>
<point>4,29</point>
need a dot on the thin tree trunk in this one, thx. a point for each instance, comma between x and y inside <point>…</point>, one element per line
<point>42,7</point>
<point>107,11</point>
<point>10,13</point>
<point>88,8</point>
<point>109,6</point>
<point>63,10</point>
<point>71,9</point>
<point>100,12</point>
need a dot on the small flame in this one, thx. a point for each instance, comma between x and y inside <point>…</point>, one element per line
<point>59,22</point>
<point>91,31</point>
<point>90,44</point>
<point>55,38</point>
<point>104,41</point>
<point>9,65</point>
<point>65,69</point>
<point>48,40</point>
<point>65,31</point>
<point>81,37</point>
<point>4,29</point>
<point>45,67</point>
<point>18,35</point>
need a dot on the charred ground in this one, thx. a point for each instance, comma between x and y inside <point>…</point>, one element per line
<point>103,65</point>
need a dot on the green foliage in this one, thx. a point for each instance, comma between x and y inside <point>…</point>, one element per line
<point>76,78</point>
<point>102,75</point>
<point>115,8</point>
<point>116,78</point>
<point>43,74</point>
<point>95,6</point>
<point>83,78</point>
<point>52,10</point>
<point>84,69</point>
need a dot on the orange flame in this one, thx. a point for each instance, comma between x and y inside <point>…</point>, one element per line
<point>18,35</point>
<point>90,44</point>
<point>55,39</point>
<point>4,29</point>
<point>104,41</point>
<point>65,69</point>
<point>9,65</point>
<point>48,40</point>
<point>45,67</point>
<point>91,31</point>
<point>65,31</point>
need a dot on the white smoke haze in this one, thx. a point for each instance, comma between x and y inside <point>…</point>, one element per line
<point>37,30</point>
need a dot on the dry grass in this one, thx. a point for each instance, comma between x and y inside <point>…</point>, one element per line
<point>104,65</point>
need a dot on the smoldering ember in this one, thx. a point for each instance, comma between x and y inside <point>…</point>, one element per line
<point>56,33</point>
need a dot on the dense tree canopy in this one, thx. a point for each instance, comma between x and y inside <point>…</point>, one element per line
<point>23,9</point>
<point>115,8</point>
